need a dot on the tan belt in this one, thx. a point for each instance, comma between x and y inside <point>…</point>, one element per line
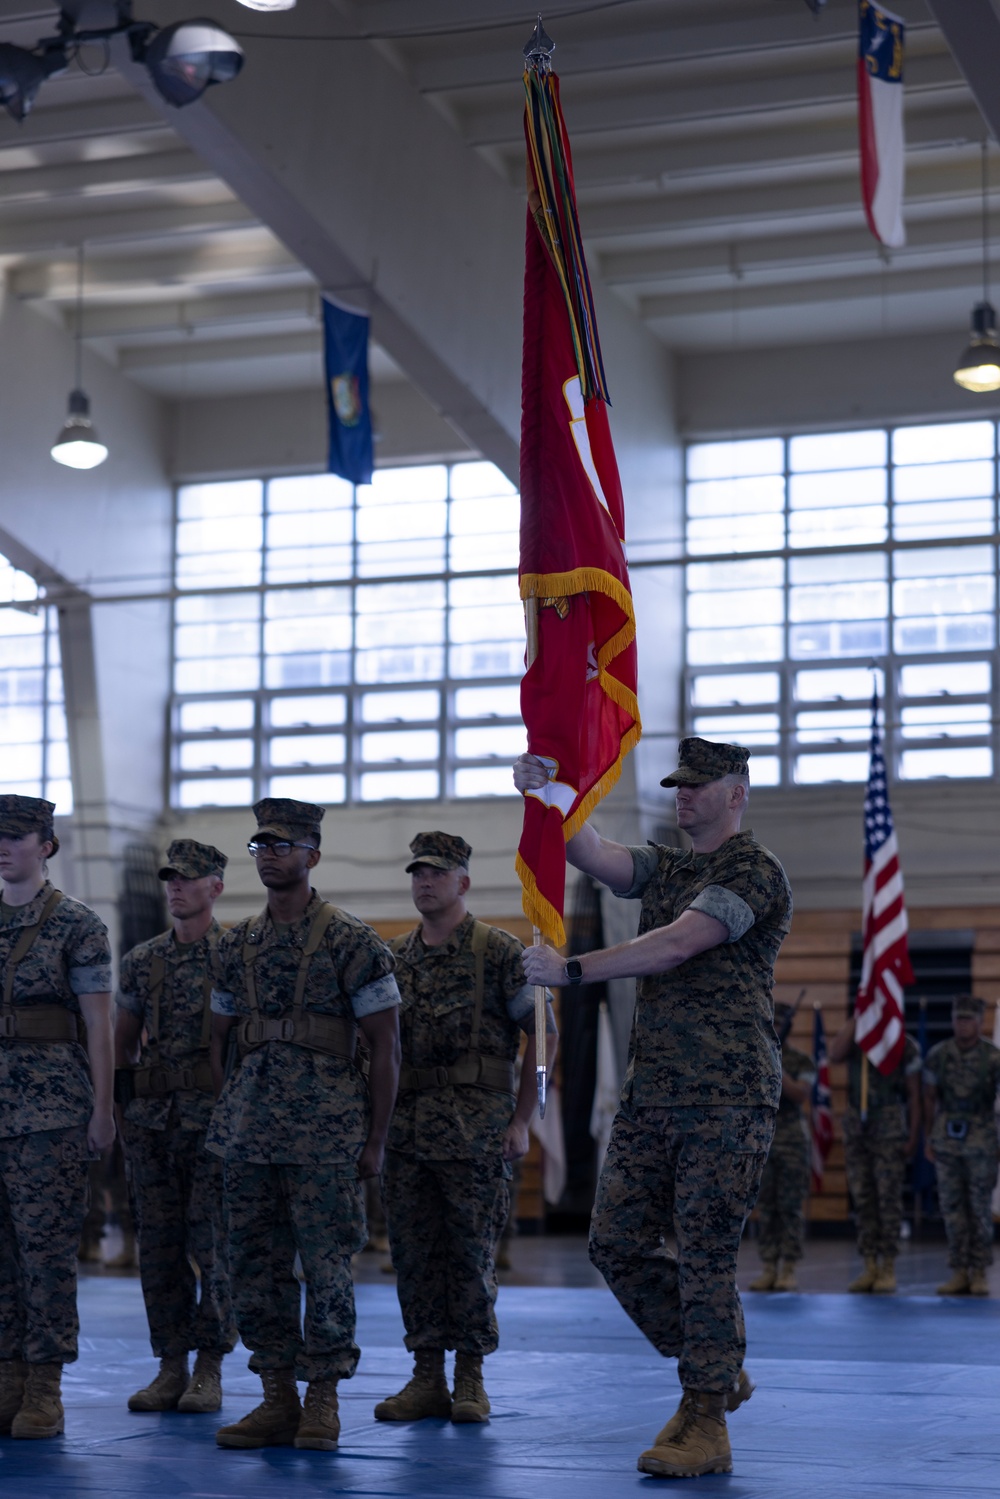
<point>472,1070</point>
<point>155,1082</point>
<point>330,1033</point>
<point>40,1023</point>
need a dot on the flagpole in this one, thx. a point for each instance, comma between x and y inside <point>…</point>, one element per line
<point>541,1060</point>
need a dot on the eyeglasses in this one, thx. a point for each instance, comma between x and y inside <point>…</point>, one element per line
<point>280,846</point>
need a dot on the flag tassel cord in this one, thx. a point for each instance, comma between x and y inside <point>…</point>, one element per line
<point>541,1059</point>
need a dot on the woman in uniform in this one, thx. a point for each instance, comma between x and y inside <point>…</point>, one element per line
<point>55,1111</point>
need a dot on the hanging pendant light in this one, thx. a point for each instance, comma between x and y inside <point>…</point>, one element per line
<point>978,368</point>
<point>78,445</point>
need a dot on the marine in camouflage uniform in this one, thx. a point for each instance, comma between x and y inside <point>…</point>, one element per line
<point>460,1121</point>
<point>295,1126</point>
<point>784,1187</point>
<point>55,973</point>
<point>876,1150</point>
<point>961,1078</point>
<point>167,1096</point>
<point>701,1091</point>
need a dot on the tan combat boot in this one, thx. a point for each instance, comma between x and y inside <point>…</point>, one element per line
<point>273,1423</point>
<point>869,1275</point>
<point>469,1402</point>
<point>319,1428</point>
<point>163,1393</point>
<point>885,1281</point>
<point>700,1446</point>
<point>425,1395</point>
<point>766,1278</point>
<point>978,1285</point>
<point>957,1284</point>
<point>41,1413</point>
<point>12,1372</point>
<point>204,1388</point>
<point>741,1391</point>
<point>786,1279</point>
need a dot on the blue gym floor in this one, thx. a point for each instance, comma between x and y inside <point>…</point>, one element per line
<point>857,1398</point>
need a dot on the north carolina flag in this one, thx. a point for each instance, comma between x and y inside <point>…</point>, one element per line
<point>578,696</point>
<point>880,121</point>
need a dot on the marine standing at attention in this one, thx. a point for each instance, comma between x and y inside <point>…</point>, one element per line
<point>701,1090</point>
<point>296,1127</point>
<point>165,1090</point>
<point>784,1187</point>
<point>460,1122</point>
<point>55,1111</point>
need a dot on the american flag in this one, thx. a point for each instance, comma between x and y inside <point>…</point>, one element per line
<point>822,1112</point>
<point>885,963</point>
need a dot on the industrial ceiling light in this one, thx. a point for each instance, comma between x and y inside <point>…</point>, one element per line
<point>268,4</point>
<point>978,368</point>
<point>187,58</point>
<point>78,445</point>
<point>22,74</point>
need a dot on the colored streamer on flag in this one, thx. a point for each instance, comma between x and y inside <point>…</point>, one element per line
<point>349,421</point>
<point>885,962</point>
<point>881,38</point>
<point>821,1116</point>
<point>578,696</point>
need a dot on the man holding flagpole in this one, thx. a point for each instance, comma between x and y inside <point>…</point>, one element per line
<point>701,1092</point>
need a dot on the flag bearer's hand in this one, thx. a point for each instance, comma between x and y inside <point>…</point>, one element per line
<point>543,965</point>
<point>530,773</point>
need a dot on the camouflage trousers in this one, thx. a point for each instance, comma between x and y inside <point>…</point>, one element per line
<point>43,1202</point>
<point>781,1201</point>
<point>965,1182</point>
<point>444,1219</point>
<point>272,1211</point>
<point>875,1157</point>
<point>693,1172</point>
<point>178,1201</point>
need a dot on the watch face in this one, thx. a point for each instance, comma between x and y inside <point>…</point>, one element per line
<point>574,970</point>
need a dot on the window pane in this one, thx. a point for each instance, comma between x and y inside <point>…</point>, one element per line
<point>216,754</point>
<point>945,678</point>
<point>942,518</point>
<point>942,443</point>
<point>944,481</point>
<point>813,770</point>
<point>484,780</point>
<point>751,606</point>
<point>404,785</point>
<point>399,707</point>
<point>216,640</point>
<point>838,601</point>
<point>968,632</point>
<point>843,727</point>
<point>206,608</point>
<point>828,450</point>
<point>406,744</point>
<point>22,762</point>
<point>716,577</point>
<point>309,492</point>
<point>228,713</point>
<point>237,674</point>
<point>328,788</point>
<point>723,460</point>
<point>240,498</point>
<point>839,684</point>
<point>488,702</point>
<point>739,728</point>
<point>235,792</point>
<point>924,764</point>
<point>732,689</point>
<point>934,722</point>
<point>706,647</point>
<point>861,638</point>
<point>21,725</point>
<point>307,749</point>
<point>931,562</point>
<point>479,481</point>
<point>502,742</point>
<point>300,712</point>
<point>765,770</point>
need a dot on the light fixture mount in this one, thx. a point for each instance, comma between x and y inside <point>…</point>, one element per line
<point>978,367</point>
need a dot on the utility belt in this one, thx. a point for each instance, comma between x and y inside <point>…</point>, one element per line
<point>41,1023</point>
<point>958,1129</point>
<point>333,1034</point>
<point>160,1082</point>
<point>471,1070</point>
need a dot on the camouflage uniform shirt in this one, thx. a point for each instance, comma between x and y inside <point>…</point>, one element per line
<point>186,970</point>
<point>286,1104</point>
<point>46,1085</point>
<point>703,1033</point>
<point>790,1125</point>
<point>966,1083</point>
<point>437,992</point>
<point>887,1096</point>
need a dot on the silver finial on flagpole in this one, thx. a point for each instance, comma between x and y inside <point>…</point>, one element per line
<point>539,47</point>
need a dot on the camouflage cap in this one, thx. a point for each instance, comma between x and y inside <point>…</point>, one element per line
<point>283,818</point>
<point>700,761</point>
<point>192,860</point>
<point>440,850</point>
<point>966,1004</point>
<point>27,814</point>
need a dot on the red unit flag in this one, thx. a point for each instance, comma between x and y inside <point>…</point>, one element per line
<point>578,696</point>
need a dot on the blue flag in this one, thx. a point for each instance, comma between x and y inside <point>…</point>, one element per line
<point>345,342</point>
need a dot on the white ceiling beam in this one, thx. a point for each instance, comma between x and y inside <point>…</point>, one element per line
<point>53,236</point>
<point>221,350</point>
<point>125,115</point>
<point>93,179</point>
<point>972,31</point>
<point>107,276</point>
<point>145,319</point>
<point>675,99</point>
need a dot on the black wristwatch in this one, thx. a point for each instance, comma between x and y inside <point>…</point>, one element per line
<point>574,971</point>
